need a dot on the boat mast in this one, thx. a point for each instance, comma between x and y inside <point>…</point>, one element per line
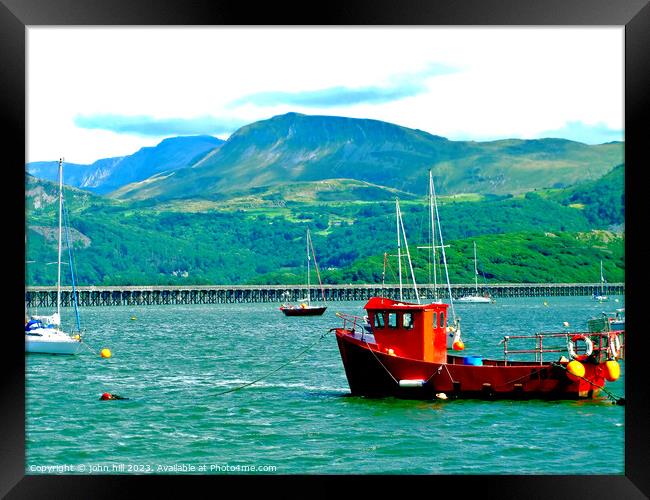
<point>383,274</point>
<point>58,280</point>
<point>313,252</point>
<point>308,282</point>
<point>475,271</point>
<point>399,250</point>
<point>442,248</point>
<point>408,255</point>
<point>433,238</point>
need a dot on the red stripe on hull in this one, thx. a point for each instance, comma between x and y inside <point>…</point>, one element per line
<point>376,374</point>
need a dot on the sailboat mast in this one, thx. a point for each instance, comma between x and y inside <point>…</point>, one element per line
<point>433,238</point>
<point>308,281</point>
<point>408,255</point>
<point>399,250</point>
<point>475,271</point>
<point>442,248</point>
<point>58,280</point>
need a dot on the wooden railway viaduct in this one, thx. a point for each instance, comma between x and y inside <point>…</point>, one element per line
<point>225,294</point>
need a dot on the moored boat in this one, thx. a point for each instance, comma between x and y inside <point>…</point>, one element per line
<point>401,348</point>
<point>405,355</point>
<point>47,338</point>
<point>302,310</point>
<point>305,308</point>
<point>476,298</point>
<point>601,296</point>
<point>43,334</point>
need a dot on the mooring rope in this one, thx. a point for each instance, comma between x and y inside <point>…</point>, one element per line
<point>382,364</point>
<point>275,369</point>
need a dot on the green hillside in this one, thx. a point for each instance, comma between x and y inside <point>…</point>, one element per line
<point>257,236</point>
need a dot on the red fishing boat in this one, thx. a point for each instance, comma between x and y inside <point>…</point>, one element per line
<point>400,350</point>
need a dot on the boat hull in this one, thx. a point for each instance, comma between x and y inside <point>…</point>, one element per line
<point>303,311</point>
<point>375,374</point>
<point>51,343</point>
<point>475,300</point>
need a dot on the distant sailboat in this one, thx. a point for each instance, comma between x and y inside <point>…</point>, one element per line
<point>305,308</point>
<point>476,298</point>
<point>602,296</point>
<point>43,334</point>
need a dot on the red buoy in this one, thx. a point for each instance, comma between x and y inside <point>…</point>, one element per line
<point>106,396</point>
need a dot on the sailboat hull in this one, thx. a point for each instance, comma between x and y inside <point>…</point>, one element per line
<point>475,300</point>
<point>51,342</point>
<point>303,311</point>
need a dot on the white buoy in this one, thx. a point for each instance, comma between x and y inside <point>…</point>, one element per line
<point>441,395</point>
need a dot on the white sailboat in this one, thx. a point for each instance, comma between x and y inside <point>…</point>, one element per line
<point>602,296</point>
<point>476,298</point>
<point>305,308</point>
<point>43,334</point>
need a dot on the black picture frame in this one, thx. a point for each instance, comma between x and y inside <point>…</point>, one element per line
<point>16,15</point>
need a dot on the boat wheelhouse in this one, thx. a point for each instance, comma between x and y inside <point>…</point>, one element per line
<point>401,351</point>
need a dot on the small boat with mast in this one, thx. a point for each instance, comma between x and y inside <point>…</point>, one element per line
<point>305,307</point>
<point>476,298</point>
<point>602,295</point>
<point>43,334</point>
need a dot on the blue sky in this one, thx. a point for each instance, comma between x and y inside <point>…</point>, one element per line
<point>100,92</point>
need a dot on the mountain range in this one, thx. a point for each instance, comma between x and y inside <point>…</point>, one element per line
<point>108,174</point>
<point>198,210</point>
<point>297,148</point>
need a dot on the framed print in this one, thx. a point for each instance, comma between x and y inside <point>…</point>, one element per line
<point>200,141</point>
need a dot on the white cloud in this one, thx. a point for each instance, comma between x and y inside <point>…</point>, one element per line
<point>512,82</point>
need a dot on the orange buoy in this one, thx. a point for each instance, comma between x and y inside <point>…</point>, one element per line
<point>575,370</point>
<point>458,345</point>
<point>612,370</point>
<point>105,353</point>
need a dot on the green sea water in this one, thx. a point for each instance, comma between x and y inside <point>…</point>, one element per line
<point>174,362</point>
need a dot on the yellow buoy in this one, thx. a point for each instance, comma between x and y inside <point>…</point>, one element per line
<point>105,353</point>
<point>390,352</point>
<point>612,370</point>
<point>575,370</point>
<point>133,318</point>
<point>458,345</point>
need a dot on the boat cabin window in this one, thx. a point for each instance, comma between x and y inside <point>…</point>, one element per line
<point>442,319</point>
<point>392,320</point>
<point>379,320</point>
<point>407,320</point>
<point>435,320</point>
